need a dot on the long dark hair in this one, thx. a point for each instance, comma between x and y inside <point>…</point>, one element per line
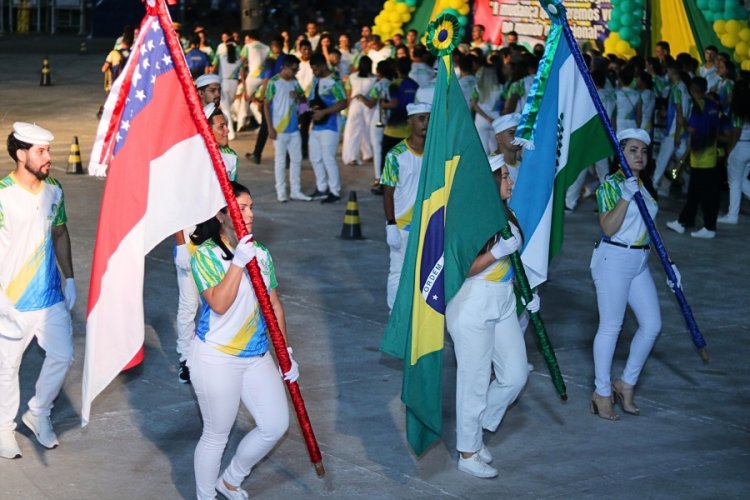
<point>365,67</point>
<point>231,51</point>
<point>211,229</point>
<point>646,179</point>
<point>741,101</point>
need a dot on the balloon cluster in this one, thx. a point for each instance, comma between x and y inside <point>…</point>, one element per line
<point>715,10</point>
<point>396,13</point>
<point>735,34</point>
<point>613,44</point>
<point>627,21</point>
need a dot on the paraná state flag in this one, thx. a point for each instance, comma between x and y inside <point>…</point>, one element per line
<point>160,179</point>
<point>457,210</point>
<point>560,122</point>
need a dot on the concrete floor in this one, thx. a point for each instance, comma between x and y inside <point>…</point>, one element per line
<point>691,441</point>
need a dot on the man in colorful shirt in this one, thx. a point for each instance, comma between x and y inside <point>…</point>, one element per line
<point>327,98</point>
<point>34,302</point>
<point>400,181</point>
<point>283,93</point>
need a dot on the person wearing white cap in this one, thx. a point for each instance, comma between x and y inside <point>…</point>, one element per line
<point>400,180</point>
<point>34,301</point>
<point>209,88</point>
<point>619,268</point>
<point>487,337</point>
<point>188,299</point>
<point>505,133</point>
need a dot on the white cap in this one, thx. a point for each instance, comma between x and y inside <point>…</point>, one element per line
<point>634,133</point>
<point>504,122</point>
<point>208,109</point>
<point>416,108</point>
<point>497,162</point>
<point>206,80</point>
<point>32,133</point>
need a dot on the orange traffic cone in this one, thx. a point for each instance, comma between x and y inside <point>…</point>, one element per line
<point>351,229</point>
<point>74,158</point>
<point>46,77</point>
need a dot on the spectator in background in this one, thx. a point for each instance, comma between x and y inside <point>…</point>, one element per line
<point>312,35</point>
<point>478,41</point>
<point>376,50</point>
<point>347,56</point>
<point>725,87</point>
<point>662,52</point>
<point>412,37</point>
<point>510,39</point>
<point>738,149</point>
<point>363,45</point>
<point>708,69</point>
<point>197,60</point>
<point>421,69</point>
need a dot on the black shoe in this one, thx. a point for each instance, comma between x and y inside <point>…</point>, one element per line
<point>319,195</point>
<point>253,157</point>
<point>183,373</point>
<point>331,198</point>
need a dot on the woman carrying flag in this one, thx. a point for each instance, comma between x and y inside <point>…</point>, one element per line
<point>619,267</point>
<point>229,360</point>
<point>487,337</point>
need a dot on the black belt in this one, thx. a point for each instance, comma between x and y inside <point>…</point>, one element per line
<point>622,245</point>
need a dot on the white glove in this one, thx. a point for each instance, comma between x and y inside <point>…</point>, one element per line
<point>70,293</point>
<point>293,374</point>
<point>505,247</point>
<point>11,324</point>
<point>678,276</point>
<point>393,236</point>
<point>182,257</point>
<point>534,304</point>
<point>628,188</point>
<point>245,252</point>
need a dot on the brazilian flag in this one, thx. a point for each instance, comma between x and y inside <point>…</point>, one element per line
<point>457,210</point>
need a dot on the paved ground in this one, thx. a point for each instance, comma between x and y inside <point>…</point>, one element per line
<point>692,440</point>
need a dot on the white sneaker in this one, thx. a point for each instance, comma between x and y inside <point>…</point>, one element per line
<point>485,455</point>
<point>726,219</point>
<point>300,197</point>
<point>675,226</point>
<point>282,198</point>
<point>238,494</point>
<point>703,233</point>
<point>8,445</point>
<point>41,426</point>
<point>476,467</point>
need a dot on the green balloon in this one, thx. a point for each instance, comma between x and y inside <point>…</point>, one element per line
<point>731,4</point>
<point>626,20</point>
<point>614,24</point>
<point>627,33</point>
<point>703,5</point>
<point>627,6</point>
<point>635,42</point>
<point>716,5</point>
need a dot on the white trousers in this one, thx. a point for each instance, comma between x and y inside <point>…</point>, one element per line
<point>54,333</point>
<point>356,145</point>
<point>323,147</point>
<point>394,268</point>
<point>483,324</point>
<point>188,301</point>
<point>287,143</point>
<point>486,134</point>
<point>376,139</point>
<point>738,166</point>
<point>228,91</point>
<point>220,382</point>
<point>621,277</point>
<point>666,152</point>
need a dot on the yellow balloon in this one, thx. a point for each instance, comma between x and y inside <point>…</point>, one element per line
<point>740,56</point>
<point>389,4</point>
<point>464,10</point>
<point>401,8</point>
<point>720,27</point>
<point>622,47</point>
<point>394,17</point>
<point>614,36</point>
<point>741,48</point>
<point>405,17</point>
<point>733,26</point>
<point>729,40</point>
<point>745,65</point>
<point>745,34</point>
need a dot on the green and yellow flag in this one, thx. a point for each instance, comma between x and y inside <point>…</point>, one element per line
<point>458,209</point>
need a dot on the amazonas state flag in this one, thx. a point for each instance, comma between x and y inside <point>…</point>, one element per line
<point>458,209</point>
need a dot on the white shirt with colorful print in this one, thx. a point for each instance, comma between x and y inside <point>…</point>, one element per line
<point>401,171</point>
<point>241,331</point>
<point>633,230</point>
<point>331,90</point>
<point>283,106</point>
<point>29,274</point>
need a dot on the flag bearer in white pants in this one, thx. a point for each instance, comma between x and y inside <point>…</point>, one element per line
<point>283,93</point>
<point>34,302</point>
<point>483,323</point>
<point>229,359</point>
<point>400,181</point>
<point>619,267</point>
<point>187,298</point>
<point>327,98</point>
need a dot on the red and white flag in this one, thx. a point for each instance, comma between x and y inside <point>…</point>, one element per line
<point>160,179</point>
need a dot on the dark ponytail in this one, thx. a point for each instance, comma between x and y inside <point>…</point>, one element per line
<point>211,229</point>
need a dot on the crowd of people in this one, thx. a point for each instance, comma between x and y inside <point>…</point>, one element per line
<point>308,95</point>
